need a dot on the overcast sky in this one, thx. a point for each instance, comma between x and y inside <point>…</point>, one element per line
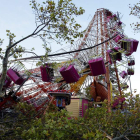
<point>17,16</point>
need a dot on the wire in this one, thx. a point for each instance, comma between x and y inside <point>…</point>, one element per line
<point>57,54</point>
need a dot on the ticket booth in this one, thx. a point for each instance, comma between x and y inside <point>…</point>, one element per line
<point>62,98</point>
<point>78,106</point>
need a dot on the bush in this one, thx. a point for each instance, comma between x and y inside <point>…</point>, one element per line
<point>55,125</point>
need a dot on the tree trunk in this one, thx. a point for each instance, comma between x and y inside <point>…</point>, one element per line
<point>4,70</point>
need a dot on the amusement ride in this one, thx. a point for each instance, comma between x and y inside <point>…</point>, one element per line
<point>101,61</point>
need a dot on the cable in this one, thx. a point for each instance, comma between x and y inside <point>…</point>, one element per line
<point>57,54</point>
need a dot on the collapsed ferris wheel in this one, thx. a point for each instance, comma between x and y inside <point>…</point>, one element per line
<point>100,60</point>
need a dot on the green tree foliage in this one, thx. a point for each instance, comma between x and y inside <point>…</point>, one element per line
<point>97,124</point>
<point>135,11</point>
<point>57,20</point>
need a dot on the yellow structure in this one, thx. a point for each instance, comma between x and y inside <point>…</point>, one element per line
<point>77,106</point>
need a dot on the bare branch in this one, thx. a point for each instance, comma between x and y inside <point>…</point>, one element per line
<point>34,33</point>
<point>41,28</point>
<point>37,28</point>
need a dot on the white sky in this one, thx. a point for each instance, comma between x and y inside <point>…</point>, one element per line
<point>17,16</point>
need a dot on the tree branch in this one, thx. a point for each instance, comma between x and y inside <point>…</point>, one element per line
<point>16,50</point>
<point>4,65</point>
<point>1,56</point>
<point>34,33</point>
<point>37,28</point>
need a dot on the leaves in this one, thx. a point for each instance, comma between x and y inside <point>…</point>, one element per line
<point>62,24</point>
<point>98,124</point>
<point>135,11</point>
<point>10,35</point>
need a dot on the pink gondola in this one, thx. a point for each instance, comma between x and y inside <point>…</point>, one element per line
<point>118,37</point>
<point>69,74</point>
<point>46,73</point>
<point>134,43</point>
<point>119,23</point>
<point>7,82</point>
<point>15,77</point>
<point>97,66</point>
<point>119,100</point>
<point>123,74</point>
<point>108,13</point>
<point>118,54</point>
<point>130,71</point>
<point>127,44</point>
<point>131,63</point>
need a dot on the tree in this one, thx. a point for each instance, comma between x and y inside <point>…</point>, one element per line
<point>97,124</point>
<point>135,11</point>
<point>53,22</point>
